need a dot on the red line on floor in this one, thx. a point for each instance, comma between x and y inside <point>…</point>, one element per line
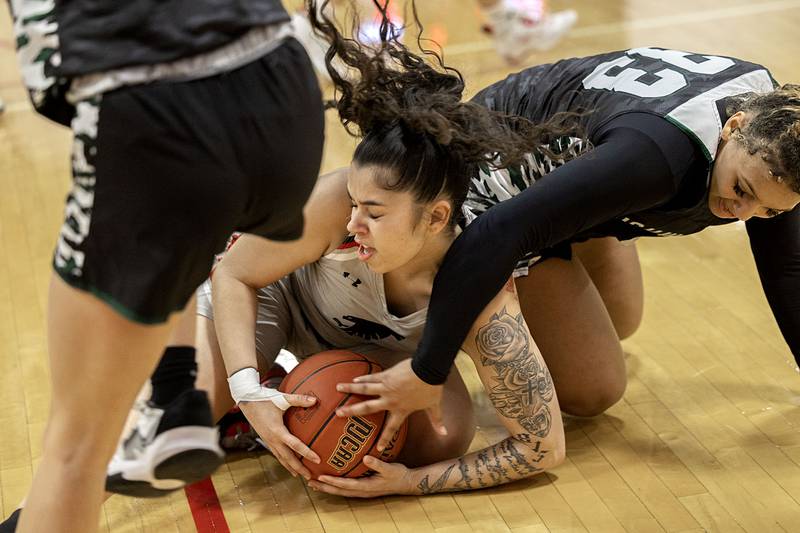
<point>206,510</point>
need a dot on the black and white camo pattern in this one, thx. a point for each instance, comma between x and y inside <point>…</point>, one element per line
<point>494,185</point>
<point>36,33</point>
<point>69,256</point>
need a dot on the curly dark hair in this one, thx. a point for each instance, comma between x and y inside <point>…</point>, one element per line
<point>773,131</point>
<point>408,111</point>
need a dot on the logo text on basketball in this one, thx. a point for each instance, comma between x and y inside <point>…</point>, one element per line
<point>356,433</point>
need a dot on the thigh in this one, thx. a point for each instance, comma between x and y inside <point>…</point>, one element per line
<point>571,326</point>
<point>108,362</point>
<point>614,269</point>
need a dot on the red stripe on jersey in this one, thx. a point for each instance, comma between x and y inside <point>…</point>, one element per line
<point>349,242</point>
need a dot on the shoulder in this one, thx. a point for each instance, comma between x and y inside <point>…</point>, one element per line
<point>328,208</point>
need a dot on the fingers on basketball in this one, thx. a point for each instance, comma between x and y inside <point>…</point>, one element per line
<point>377,377</point>
<point>340,442</point>
<point>300,448</point>
<point>287,457</point>
<point>365,389</point>
<point>300,400</point>
<point>363,408</point>
<point>393,422</point>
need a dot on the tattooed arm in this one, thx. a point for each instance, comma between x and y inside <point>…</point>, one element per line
<point>518,383</point>
<point>520,388</point>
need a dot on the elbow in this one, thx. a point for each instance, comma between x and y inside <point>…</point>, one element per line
<point>226,275</point>
<point>545,454</point>
<point>558,446</point>
<point>559,454</point>
<point>555,446</point>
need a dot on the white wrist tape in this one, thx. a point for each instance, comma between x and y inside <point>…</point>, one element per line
<point>246,387</point>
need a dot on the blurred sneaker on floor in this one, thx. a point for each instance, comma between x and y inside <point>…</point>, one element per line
<point>168,448</point>
<point>518,34</point>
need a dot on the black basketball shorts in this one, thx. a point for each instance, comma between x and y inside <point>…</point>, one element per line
<point>163,173</point>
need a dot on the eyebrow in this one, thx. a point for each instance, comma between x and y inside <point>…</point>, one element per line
<point>374,203</point>
<point>755,194</point>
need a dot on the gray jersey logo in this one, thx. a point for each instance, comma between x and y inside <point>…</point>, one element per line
<point>366,329</point>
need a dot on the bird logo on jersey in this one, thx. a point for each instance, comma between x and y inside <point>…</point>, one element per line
<point>366,329</point>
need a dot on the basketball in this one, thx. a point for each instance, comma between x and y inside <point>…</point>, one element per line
<point>341,443</point>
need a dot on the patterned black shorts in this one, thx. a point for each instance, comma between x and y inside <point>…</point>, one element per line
<point>163,173</point>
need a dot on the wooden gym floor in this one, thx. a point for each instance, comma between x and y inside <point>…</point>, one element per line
<point>707,437</point>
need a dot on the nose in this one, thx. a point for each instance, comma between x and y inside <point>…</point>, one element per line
<point>745,208</point>
<point>355,223</point>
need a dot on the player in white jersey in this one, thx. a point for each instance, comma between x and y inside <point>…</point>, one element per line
<point>374,251</point>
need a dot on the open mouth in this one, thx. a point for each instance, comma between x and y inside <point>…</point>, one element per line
<point>365,252</point>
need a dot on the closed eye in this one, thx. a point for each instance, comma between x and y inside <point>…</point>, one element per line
<point>369,215</point>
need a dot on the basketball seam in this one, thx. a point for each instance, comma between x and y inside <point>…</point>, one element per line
<point>362,360</point>
<point>324,424</point>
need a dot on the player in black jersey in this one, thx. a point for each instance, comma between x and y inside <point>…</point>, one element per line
<point>664,142</point>
<point>188,117</point>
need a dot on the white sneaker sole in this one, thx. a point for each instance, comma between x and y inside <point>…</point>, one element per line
<point>175,458</point>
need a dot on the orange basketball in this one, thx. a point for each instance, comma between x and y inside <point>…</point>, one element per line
<point>341,443</point>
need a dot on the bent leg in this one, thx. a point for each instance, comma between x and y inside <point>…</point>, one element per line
<point>571,326</point>
<point>98,360</point>
<point>615,271</point>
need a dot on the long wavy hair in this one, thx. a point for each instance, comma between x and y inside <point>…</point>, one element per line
<point>408,111</point>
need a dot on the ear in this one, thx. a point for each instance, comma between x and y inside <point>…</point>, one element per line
<point>440,211</point>
<point>735,122</point>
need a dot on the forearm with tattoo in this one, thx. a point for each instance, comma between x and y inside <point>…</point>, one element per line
<point>523,387</point>
<point>506,461</point>
<point>521,390</point>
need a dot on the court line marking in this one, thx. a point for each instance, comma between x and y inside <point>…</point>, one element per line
<point>206,509</point>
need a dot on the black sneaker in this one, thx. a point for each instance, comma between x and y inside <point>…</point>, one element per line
<point>9,525</point>
<point>167,449</point>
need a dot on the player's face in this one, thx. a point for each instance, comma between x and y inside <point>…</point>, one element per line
<point>741,184</point>
<point>390,226</point>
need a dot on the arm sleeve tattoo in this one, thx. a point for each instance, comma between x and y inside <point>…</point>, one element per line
<point>521,389</point>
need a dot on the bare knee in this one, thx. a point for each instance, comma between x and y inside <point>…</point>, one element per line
<point>439,448</point>
<point>627,325</point>
<point>424,446</point>
<point>77,450</point>
<point>592,401</point>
